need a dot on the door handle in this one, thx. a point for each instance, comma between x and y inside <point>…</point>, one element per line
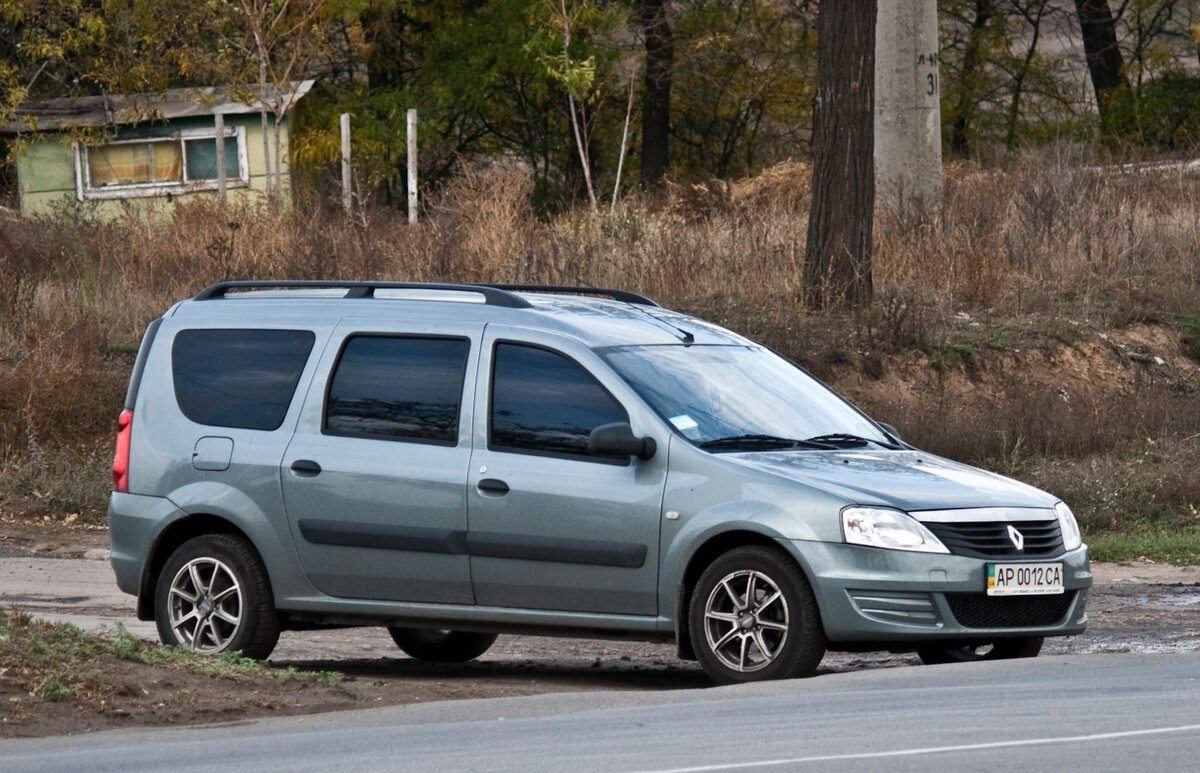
<point>306,467</point>
<point>492,486</point>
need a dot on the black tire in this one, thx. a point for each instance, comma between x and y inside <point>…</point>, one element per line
<point>1000,649</point>
<point>213,596</point>
<point>777,635</point>
<point>441,646</point>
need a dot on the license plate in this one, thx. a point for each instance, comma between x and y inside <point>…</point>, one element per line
<point>1024,579</point>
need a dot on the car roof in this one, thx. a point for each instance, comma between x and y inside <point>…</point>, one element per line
<point>615,318</point>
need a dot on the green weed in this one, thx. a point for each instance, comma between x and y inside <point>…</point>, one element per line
<point>1171,547</point>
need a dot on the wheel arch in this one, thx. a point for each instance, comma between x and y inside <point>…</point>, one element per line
<point>704,555</point>
<point>169,540</point>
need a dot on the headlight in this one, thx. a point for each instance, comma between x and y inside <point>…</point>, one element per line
<point>878,527</point>
<point>1072,539</point>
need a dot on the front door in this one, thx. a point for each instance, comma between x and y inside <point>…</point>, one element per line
<point>550,526</point>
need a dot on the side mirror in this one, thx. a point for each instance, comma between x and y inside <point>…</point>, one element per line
<point>618,441</point>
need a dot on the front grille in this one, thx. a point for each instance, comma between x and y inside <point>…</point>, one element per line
<point>976,610</point>
<point>990,539</point>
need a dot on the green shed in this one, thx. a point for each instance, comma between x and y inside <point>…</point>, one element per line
<point>145,150</point>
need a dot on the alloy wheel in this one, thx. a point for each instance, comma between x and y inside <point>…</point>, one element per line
<point>205,605</point>
<point>746,620</point>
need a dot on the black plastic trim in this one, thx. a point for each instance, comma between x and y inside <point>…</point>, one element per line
<point>630,555</point>
<point>384,537</point>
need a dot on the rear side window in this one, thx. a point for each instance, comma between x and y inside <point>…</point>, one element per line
<point>546,404</point>
<point>238,378</point>
<point>398,388</point>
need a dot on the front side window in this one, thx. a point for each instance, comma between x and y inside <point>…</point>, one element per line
<point>544,403</point>
<point>238,378</point>
<point>175,163</point>
<point>398,388</point>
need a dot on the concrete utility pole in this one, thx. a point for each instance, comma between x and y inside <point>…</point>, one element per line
<point>347,192</point>
<point>908,118</point>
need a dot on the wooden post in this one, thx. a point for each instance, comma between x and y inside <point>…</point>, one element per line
<point>412,166</point>
<point>219,125</point>
<point>347,200</point>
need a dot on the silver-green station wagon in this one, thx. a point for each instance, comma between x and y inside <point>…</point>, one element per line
<point>457,461</point>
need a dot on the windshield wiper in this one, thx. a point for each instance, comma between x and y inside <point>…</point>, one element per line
<point>759,442</point>
<point>844,440</point>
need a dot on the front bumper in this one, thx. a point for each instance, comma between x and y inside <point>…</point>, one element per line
<point>891,597</point>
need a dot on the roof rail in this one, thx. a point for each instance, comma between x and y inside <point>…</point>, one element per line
<point>492,295</point>
<point>616,295</point>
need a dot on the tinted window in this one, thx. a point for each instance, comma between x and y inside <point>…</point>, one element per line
<point>545,403</point>
<point>399,388</point>
<point>238,378</point>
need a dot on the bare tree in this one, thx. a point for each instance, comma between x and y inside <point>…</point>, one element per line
<point>837,267</point>
<point>283,38</point>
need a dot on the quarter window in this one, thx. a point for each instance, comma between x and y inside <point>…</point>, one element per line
<point>238,378</point>
<point>398,388</point>
<point>545,403</point>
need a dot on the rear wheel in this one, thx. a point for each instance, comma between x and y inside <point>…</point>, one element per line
<point>753,617</point>
<point>441,646</point>
<point>1000,649</point>
<point>213,596</point>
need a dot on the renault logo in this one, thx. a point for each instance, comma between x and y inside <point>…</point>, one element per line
<point>1017,538</point>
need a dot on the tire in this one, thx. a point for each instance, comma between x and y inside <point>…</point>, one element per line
<point>213,596</point>
<point>777,635</point>
<point>1000,649</point>
<point>441,646</point>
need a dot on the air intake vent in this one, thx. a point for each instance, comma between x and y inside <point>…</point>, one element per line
<point>976,610</point>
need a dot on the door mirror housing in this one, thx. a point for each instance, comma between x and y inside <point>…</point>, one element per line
<point>618,441</point>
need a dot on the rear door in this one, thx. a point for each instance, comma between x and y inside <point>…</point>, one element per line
<point>374,479</point>
<point>550,526</point>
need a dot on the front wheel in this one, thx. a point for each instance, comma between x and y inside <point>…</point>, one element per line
<point>213,596</point>
<point>753,617</point>
<point>441,646</point>
<point>1000,649</point>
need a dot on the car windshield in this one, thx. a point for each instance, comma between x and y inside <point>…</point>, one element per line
<point>737,398</point>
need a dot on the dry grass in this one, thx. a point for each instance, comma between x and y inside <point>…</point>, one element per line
<point>1036,255</point>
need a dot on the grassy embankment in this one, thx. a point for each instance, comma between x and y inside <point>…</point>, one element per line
<point>1019,327</point>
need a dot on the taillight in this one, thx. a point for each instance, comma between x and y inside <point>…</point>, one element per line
<point>121,460</point>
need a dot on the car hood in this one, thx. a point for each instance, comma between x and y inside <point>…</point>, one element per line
<point>907,480</point>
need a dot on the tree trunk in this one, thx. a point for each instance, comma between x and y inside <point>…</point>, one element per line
<point>837,266</point>
<point>1034,17</point>
<point>268,177</point>
<point>964,108</point>
<point>656,102</point>
<point>1103,56</point>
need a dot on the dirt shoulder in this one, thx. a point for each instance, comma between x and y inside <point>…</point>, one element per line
<point>1134,607</point>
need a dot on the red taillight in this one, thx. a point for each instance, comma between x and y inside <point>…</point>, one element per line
<point>121,460</point>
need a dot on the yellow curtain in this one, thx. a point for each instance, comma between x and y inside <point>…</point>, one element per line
<point>138,162</point>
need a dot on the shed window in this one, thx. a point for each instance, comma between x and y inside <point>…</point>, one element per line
<point>177,163</point>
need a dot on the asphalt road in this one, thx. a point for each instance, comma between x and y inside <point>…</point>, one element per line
<point>1095,712</point>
